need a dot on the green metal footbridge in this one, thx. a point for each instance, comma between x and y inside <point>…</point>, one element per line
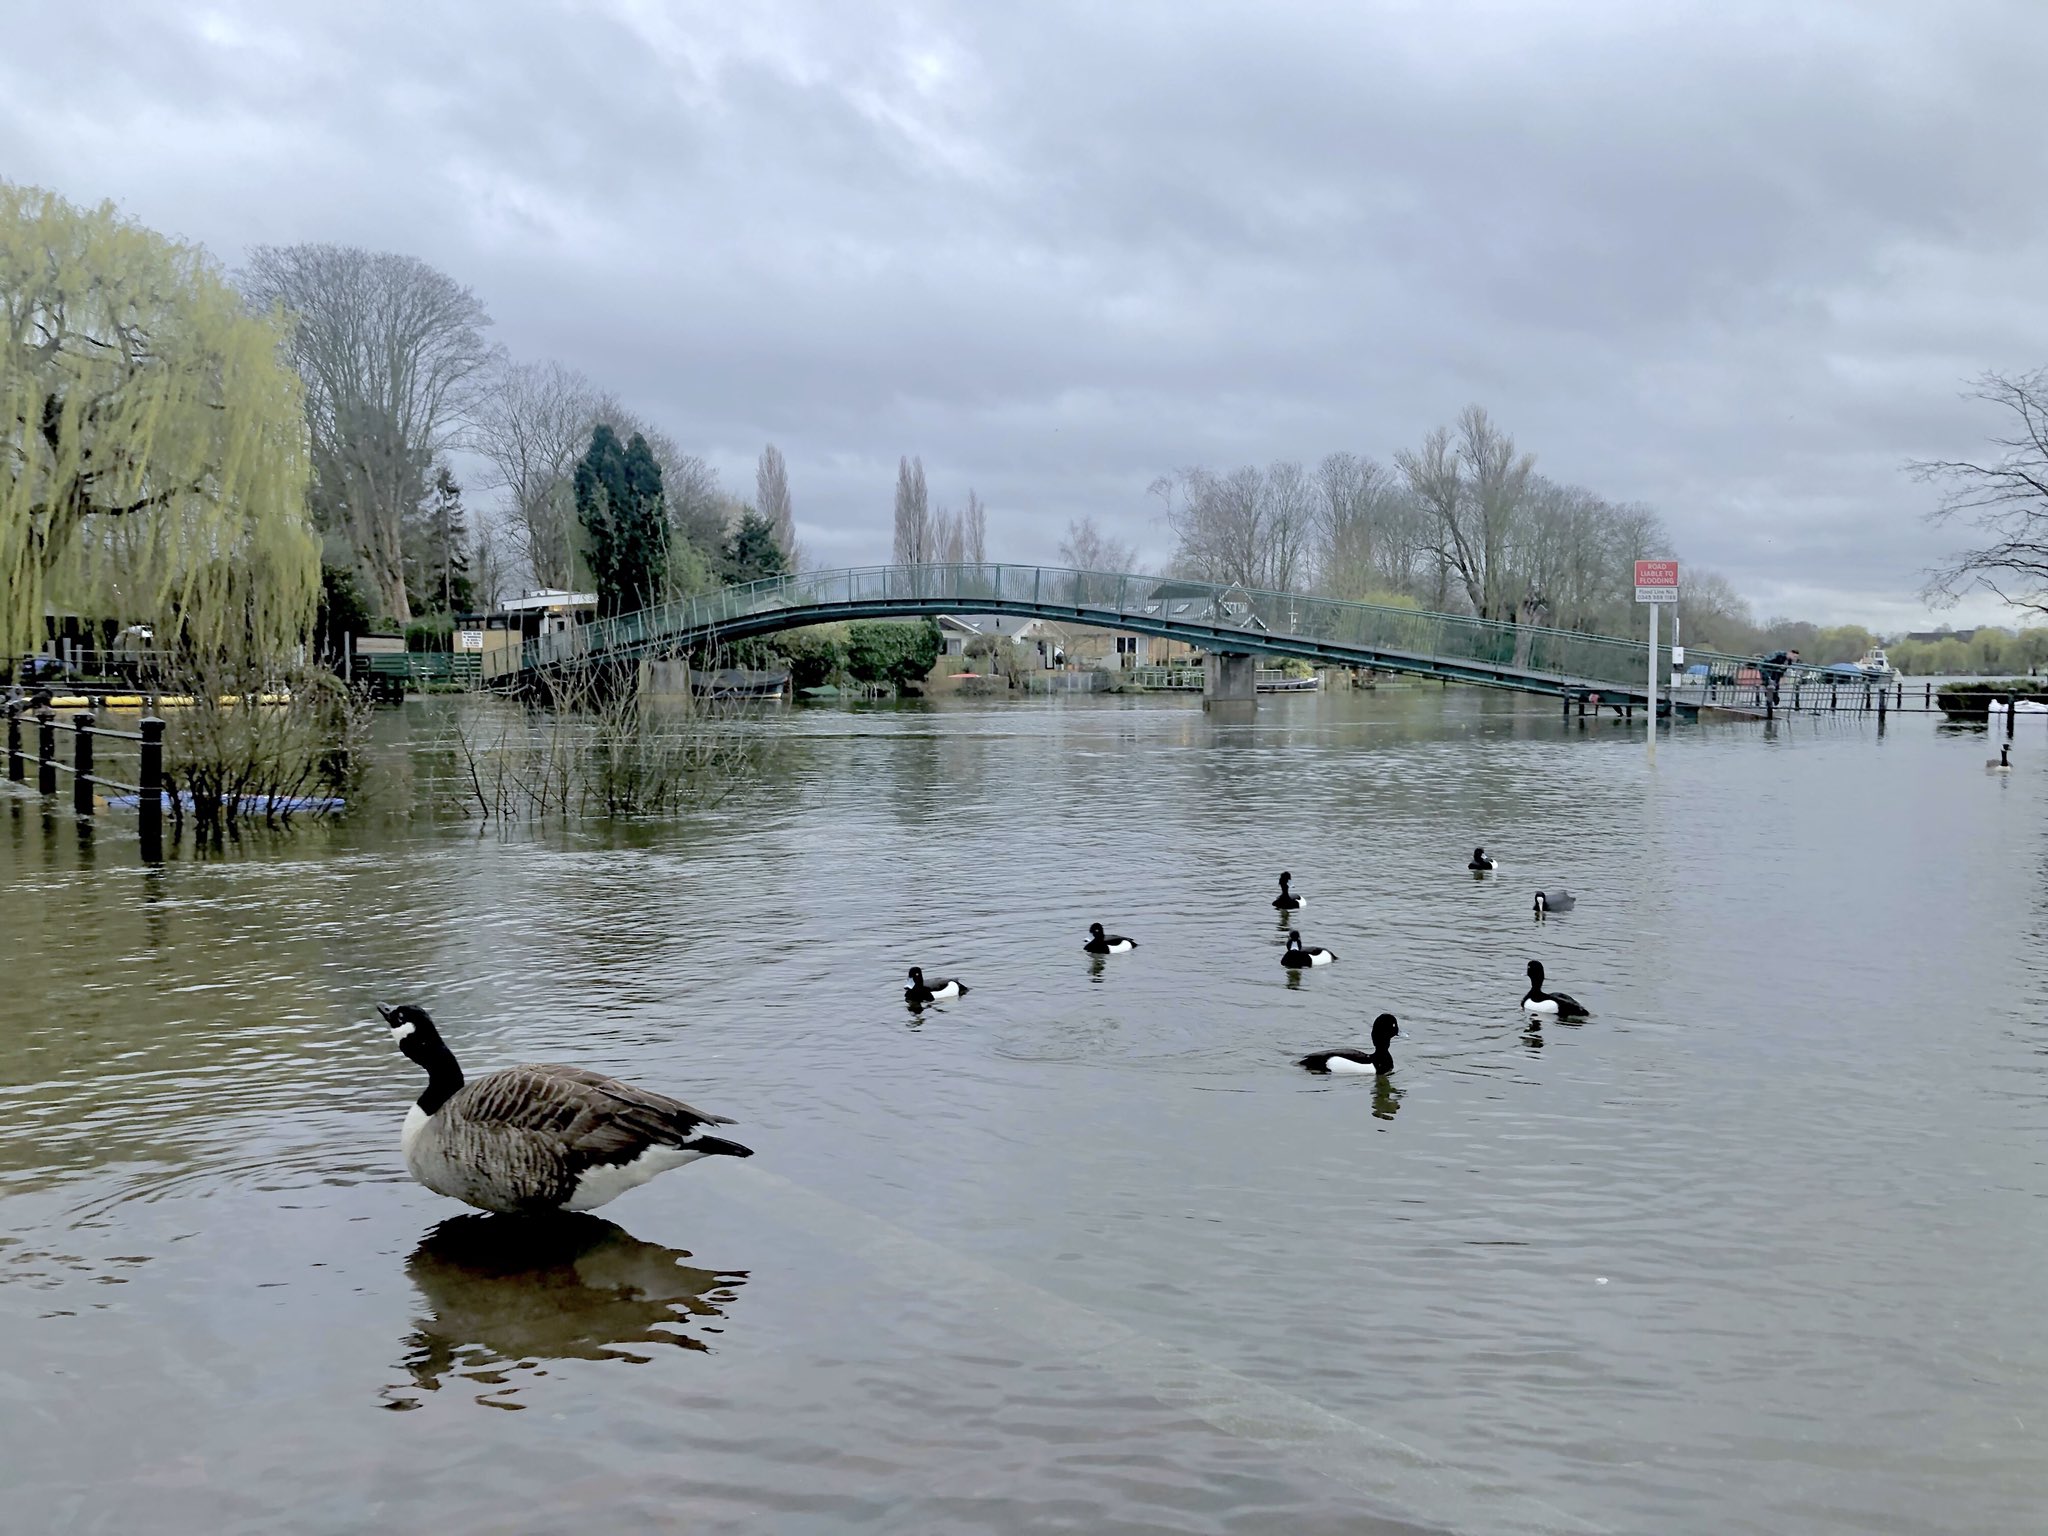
<point>1223,620</point>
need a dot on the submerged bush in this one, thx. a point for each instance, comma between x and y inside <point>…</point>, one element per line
<point>248,743</point>
<point>602,742</point>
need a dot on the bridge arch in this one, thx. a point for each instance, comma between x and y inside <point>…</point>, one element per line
<point>1224,618</point>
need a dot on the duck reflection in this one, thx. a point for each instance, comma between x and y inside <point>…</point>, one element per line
<point>1386,1098</point>
<point>506,1294</point>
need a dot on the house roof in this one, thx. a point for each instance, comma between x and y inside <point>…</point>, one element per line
<point>1004,626</point>
<point>544,598</point>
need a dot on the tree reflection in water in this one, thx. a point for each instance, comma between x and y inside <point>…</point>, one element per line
<point>507,1294</point>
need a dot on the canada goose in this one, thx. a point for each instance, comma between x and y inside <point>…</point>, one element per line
<point>1537,1000</point>
<point>1100,943</point>
<point>2003,762</point>
<point>1287,901</point>
<point>539,1138</point>
<point>1480,862</point>
<point>1554,901</point>
<point>1378,1060</point>
<point>1296,957</point>
<point>920,991</point>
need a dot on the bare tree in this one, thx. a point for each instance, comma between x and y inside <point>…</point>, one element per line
<point>1464,508</point>
<point>531,426</point>
<point>771,500</point>
<point>1252,526</point>
<point>949,537</point>
<point>700,510</point>
<point>1474,487</point>
<point>2005,499</point>
<point>1715,615</point>
<point>974,528</point>
<point>1367,528</point>
<point>1087,548</point>
<point>488,563</point>
<point>913,514</point>
<point>393,357</point>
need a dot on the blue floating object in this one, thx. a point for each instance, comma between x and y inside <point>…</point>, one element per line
<point>248,805</point>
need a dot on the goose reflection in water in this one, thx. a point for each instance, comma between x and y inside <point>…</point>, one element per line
<point>506,1294</point>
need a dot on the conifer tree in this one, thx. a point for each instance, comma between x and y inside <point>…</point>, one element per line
<point>753,553</point>
<point>619,503</point>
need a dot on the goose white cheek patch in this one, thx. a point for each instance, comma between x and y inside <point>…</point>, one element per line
<point>402,1032</point>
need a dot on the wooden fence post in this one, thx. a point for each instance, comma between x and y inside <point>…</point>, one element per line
<point>81,763</point>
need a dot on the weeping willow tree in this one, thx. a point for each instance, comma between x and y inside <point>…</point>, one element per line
<point>152,440</point>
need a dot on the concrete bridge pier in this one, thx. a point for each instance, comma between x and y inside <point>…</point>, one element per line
<point>1230,678</point>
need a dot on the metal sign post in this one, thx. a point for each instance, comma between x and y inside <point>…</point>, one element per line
<point>1656,584</point>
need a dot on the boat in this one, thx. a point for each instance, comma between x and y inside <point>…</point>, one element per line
<point>1279,682</point>
<point>1876,666</point>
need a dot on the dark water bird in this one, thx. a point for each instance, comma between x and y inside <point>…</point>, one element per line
<point>1100,943</point>
<point>1287,901</point>
<point>1297,958</point>
<point>1554,901</point>
<point>1480,862</point>
<point>2003,762</point>
<point>1379,1060</point>
<point>529,1139</point>
<point>1562,1004</point>
<point>939,988</point>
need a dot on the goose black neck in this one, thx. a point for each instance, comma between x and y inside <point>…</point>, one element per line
<point>444,1078</point>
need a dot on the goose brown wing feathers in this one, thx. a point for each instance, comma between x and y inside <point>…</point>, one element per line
<point>594,1118</point>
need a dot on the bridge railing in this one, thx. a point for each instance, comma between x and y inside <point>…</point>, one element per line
<point>1208,613</point>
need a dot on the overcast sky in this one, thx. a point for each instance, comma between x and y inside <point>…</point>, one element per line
<point>1736,260</point>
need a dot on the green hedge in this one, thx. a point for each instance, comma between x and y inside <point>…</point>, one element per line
<point>1972,701</point>
<point>891,651</point>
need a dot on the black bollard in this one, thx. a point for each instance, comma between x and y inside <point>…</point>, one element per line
<point>81,763</point>
<point>151,804</point>
<point>46,751</point>
<point>2011,713</point>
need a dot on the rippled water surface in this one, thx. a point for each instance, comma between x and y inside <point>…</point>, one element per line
<point>1756,1248</point>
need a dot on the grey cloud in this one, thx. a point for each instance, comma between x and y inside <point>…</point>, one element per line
<point>1734,261</point>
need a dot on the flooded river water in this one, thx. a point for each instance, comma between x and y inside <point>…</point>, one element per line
<point>1756,1248</point>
